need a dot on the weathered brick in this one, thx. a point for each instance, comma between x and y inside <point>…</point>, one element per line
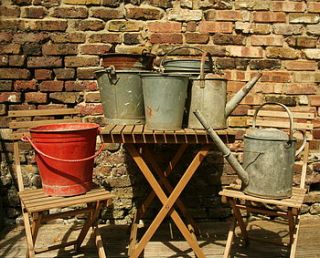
<point>273,40</point>
<point>222,39</point>
<point>68,37</point>
<point>92,97</point>
<point>159,3</point>
<point>252,5</point>
<point>314,101</point>
<point>303,18</point>
<point>65,97</point>
<point>10,48</point>
<point>43,74</point>
<point>215,27</point>
<point>35,37</point>
<point>191,26</point>
<point>86,73</point>
<point>22,2</point>
<point>9,25</point>
<point>281,6</point>
<point>14,73</point>
<point>230,15</point>
<point>285,29</point>
<point>60,49</point>
<point>107,14</point>
<point>105,38</point>
<point>215,50</point>
<point>43,25</point>
<point>313,7</point>
<point>90,109</point>
<point>267,17</point>
<point>17,60</point>
<point>82,2</point>
<point>171,38</point>
<point>34,12</point>
<point>24,85</point>
<point>95,49</point>
<point>32,49</point>
<point>306,77</point>
<point>313,29</point>
<point>47,3</point>
<point>11,97</point>
<point>64,73</point>
<point>270,64</point>
<point>184,15</point>
<point>300,65</point>
<point>36,97</point>
<point>9,11</point>
<point>81,85</point>
<point>131,38</point>
<point>164,27</point>
<point>6,37</point>
<point>4,60</point>
<point>312,53</point>
<point>282,53</point>
<point>51,86</point>
<point>5,85</point>
<point>285,100</point>
<point>275,76</point>
<point>196,38</point>
<point>143,13</point>
<point>70,12</point>
<point>237,51</point>
<point>301,88</point>
<point>81,61</point>
<point>94,25</point>
<point>38,62</point>
<point>302,42</point>
<point>125,25</point>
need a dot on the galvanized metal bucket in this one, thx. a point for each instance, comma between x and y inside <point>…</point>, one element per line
<point>164,100</point>
<point>269,156</point>
<point>121,96</point>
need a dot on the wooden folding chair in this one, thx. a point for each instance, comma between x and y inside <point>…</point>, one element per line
<point>36,205</point>
<point>287,208</point>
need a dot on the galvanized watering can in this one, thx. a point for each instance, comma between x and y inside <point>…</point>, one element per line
<point>209,96</point>
<point>269,156</point>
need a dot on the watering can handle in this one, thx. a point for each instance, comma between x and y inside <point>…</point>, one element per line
<point>279,104</point>
<point>27,139</point>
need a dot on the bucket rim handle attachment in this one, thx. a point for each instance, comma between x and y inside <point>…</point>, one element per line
<point>28,139</point>
<point>281,105</point>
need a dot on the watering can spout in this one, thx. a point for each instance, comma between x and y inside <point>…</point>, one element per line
<point>236,99</point>
<point>224,149</point>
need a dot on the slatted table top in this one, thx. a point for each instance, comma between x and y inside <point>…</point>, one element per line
<point>141,134</point>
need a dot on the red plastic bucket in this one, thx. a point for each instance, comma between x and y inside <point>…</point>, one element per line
<point>65,156</point>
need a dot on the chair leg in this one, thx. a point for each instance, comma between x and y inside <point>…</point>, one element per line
<point>238,217</point>
<point>30,242</point>
<point>227,249</point>
<point>295,238</point>
<point>99,242</point>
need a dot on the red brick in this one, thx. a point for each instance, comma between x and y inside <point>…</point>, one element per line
<point>68,37</point>
<point>38,62</point>
<point>6,37</point>
<point>64,73</point>
<point>70,12</point>
<point>191,26</point>
<point>51,86</point>
<point>165,27</point>
<point>230,15</point>
<point>274,40</point>
<point>196,38</point>
<point>34,12</point>
<point>313,7</point>
<point>275,76</point>
<point>300,65</point>
<point>25,85</point>
<point>60,49</point>
<point>10,48</point>
<point>107,14</point>
<point>105,38</point>
<point>12,97</point>
<point>95,49</point>
<point>93,25</point>
<point>171,38</point>
<point>143,13</point>
<point>215,27</point>
<point>267,17</point>
<point>81,61</point>
<point>43,74</point>
<point>75,85</point>
<point>14,73</point>
<point>314,101</point>
<point>36,97</point>
<point>281,6</point>
<point>301,88</point>
<point>6,11</point>
<point>239,51</point>
<point>90,109</point>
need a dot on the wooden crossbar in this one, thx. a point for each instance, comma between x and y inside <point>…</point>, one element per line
<point>43,112</point>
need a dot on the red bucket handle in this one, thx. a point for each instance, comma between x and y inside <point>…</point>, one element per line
<point>27,139</point>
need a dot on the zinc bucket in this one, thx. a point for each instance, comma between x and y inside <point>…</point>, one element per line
<point>65,156</point>
<point>121,96</point>
<point>164,100</point>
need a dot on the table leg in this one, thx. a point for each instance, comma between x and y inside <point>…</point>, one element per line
<point>167,202</point>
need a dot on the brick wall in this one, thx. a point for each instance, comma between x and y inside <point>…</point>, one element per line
<point>50,49</point>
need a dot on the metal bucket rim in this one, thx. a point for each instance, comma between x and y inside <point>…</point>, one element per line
<point>164,75</point>
<point>124,71</point>
<point>46,128</point>
<point>270,139</point>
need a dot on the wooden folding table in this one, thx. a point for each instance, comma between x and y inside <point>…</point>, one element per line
<point>136,140</point>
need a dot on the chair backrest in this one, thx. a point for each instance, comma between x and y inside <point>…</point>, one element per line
<point>22,120</point>
<point>275,117</point>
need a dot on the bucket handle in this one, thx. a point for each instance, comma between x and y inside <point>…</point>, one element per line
<point>177,48</point>
<point>281,105</point>
<point>27,139</point>
<point>112,75</point>
<point>211,62</point>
